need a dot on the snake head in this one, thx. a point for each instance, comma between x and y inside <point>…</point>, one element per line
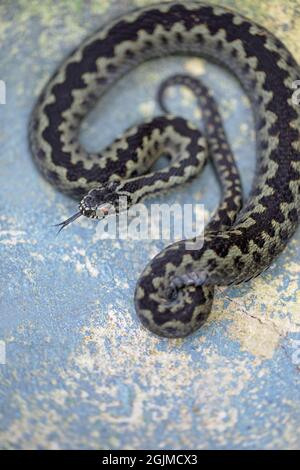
<point>101,201</point>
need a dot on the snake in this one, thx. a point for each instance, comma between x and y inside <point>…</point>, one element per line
<point>174,294</point>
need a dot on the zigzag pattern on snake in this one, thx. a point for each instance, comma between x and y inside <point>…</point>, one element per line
<point>174,293</point>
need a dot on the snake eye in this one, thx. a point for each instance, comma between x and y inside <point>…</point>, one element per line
<point>104,210</point>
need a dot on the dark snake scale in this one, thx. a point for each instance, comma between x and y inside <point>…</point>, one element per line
<point>174,294</point>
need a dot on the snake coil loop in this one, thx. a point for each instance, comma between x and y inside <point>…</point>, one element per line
<point>238,243</point>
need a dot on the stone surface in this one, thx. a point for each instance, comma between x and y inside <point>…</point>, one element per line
<point>80,370</point>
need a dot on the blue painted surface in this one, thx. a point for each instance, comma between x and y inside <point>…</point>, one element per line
<point>80,370</point>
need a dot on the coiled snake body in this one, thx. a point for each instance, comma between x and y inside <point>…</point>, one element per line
<point>175,291</point>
